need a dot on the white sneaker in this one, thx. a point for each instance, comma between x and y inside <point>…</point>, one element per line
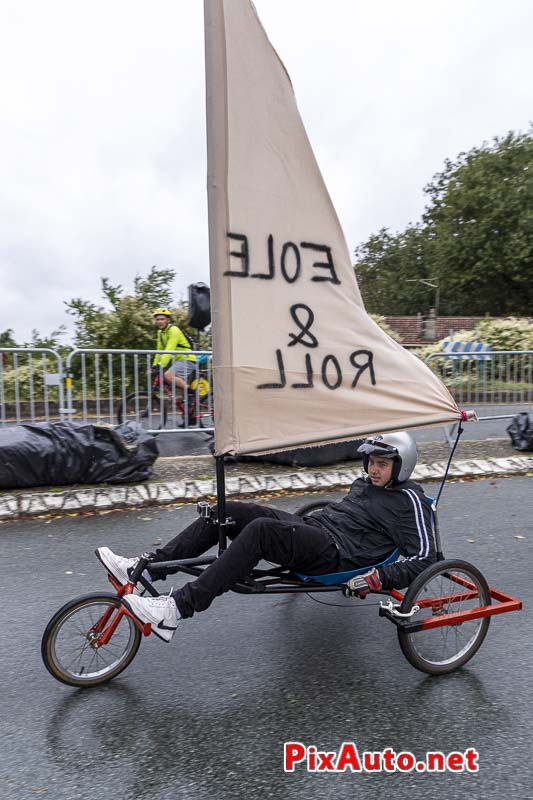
<point>160,612</point>
<point>118,566</point>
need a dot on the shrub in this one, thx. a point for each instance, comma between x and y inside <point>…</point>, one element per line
<point>380,320</point>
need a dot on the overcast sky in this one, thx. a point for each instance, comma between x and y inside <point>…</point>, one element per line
<point>102,158</point>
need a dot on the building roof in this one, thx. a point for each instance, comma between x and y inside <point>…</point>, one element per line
<point>416,330</point>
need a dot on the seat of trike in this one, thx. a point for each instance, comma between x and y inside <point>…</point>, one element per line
<point>333,578</point>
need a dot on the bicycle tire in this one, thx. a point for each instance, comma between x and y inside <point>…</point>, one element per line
<point>309,508</point>
<point>149,410</point>
<point>441,650</point>
<point>86,609</point>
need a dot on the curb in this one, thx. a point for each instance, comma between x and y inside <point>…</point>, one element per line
<point>35,504</point>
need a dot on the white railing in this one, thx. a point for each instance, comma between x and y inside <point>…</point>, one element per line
<point>31,384</point>
<point>107,386</point>
<point>487,377</point>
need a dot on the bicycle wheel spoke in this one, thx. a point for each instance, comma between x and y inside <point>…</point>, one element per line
<point>80,630</point>
<point>78,649</point>
<point>75,660</point>
<point>450,588</point>
<point>74,649</point>
<point>115,651</point>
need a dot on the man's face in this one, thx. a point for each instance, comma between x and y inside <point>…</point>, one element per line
<point>161,321</point>
<point>380,470</point>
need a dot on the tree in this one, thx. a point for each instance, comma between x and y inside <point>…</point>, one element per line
<point>385,264</point>
<point>22,377</point>
<point>6,338</point>
<point>127,323</point>
<point>379,320</point>
<point>476,238</point>
<point>51,342</point>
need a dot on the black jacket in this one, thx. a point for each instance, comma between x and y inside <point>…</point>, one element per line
<point>371,521</point>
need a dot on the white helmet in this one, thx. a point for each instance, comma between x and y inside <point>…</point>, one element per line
<point>399,446</point>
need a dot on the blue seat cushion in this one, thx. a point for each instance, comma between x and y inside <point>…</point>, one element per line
<point>333,578</point>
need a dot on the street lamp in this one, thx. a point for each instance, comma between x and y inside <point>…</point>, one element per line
<point>434,285</point>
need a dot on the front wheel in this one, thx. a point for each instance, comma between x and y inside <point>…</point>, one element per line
<point>444,588</point>
<point>69,646</point>
<point>149,410</point>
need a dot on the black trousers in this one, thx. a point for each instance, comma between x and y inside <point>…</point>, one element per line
<point>259,532</point>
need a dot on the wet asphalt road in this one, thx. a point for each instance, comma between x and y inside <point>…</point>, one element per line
<point>206,716</point>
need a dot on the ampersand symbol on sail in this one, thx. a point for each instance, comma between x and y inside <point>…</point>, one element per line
<point>305,327</point>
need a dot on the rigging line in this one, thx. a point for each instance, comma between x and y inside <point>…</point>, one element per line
<point>459,432</point>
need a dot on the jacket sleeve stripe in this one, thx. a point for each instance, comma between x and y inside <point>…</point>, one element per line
<point>420,524</point>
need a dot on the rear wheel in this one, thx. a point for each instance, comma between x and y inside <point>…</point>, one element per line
<point>310,508</point>
<point>69,646</point>
<point>149,410</point>
<point>445,588</point>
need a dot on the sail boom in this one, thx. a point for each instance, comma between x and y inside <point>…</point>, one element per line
<point>344,435</point>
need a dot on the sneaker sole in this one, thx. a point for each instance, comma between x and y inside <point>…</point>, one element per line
<point>130,609</point>
<point>107,569</point>
<point>139,588</point>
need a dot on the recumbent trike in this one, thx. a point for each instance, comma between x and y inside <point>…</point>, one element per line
<point>441,619</point>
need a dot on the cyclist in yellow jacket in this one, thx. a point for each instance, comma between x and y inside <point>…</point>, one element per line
<point>178,367</point>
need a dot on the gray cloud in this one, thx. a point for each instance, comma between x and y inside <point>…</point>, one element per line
<point>102,167</point>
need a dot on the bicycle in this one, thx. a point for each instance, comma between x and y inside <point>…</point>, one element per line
<point>153,409</point>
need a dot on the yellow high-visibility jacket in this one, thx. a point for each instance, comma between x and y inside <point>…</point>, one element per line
<point>172,338</point>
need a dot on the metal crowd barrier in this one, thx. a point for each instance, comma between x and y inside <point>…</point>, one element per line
<point>501,377</point>
<point>103,387</point>
<point>31,385</point>
<point>112,386</point>
<point>107,386</point>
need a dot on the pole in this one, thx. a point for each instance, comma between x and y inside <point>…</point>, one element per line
<point>221,503</point>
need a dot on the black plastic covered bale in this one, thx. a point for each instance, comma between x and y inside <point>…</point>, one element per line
<point>65,453</point>
<point>521,431</point>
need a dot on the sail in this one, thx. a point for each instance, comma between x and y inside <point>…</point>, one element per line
<point>296,358</point>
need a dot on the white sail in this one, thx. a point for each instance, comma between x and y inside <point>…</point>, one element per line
<point>296,358</point>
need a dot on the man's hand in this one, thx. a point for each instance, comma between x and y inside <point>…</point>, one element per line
<point>361,585</point>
